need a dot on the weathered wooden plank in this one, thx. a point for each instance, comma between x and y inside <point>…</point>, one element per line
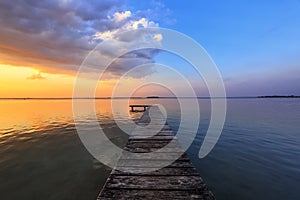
<point>155,183</point>
<point>132,171</point>
<point>145,146</point>
<point>154,156</point>
<point>165,127</point>
<point>153,163</point>
<point>156,137</point>
<point>156,122</point>
<point>150,149</point>
<point>161,133</point>
<point>152,144</point>
<point>110,194</point>
<point>156,175</point>
<point>139,105</point>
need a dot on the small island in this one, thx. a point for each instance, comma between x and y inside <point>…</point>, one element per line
<point>152,97</point>
<point>279,96</point>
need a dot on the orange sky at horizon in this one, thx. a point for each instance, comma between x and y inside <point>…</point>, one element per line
<point>27,82</point>
<point>22,82</point>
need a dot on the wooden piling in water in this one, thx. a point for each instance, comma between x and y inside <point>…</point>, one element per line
<point>130,180</point>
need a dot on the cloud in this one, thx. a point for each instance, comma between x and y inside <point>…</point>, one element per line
<point>129,25</point>
<point>37,76</point>
<point>55,36</point>
<point>118,17</point>
<point>131,60</point>
<point>106,59</point>
<point>158,37</point>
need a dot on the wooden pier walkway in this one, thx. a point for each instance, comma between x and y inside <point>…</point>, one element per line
<point>138,106</point>
<point>132,179</point>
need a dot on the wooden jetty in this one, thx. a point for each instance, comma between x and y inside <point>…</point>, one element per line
<point>138,106</point>
<point>132,179</point>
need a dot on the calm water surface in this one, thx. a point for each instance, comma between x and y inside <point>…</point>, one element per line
<point>256,157</point>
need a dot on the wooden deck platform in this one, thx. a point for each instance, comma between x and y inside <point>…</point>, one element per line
<point>138,106</point>
<point>132,179</point>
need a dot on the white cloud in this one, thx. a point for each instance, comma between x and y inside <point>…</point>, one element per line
<point>140,23</point>
<point>121,41</point>
<point>104,35</point>
<point>120,16</point>
<point>158,37</point>
<point>127,26</point>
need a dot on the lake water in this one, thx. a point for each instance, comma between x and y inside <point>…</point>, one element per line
<point>42,157</point>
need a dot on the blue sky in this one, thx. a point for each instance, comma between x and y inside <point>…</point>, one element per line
<point>255,44</point>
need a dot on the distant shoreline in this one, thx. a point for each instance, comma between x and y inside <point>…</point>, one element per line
<point>279,96</point>
<point>156,97</point>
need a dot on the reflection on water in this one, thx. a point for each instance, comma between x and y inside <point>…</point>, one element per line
<point>41,155</point>
<point>257,156</point>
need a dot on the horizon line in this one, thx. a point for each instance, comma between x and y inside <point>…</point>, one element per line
<point>148,97</point>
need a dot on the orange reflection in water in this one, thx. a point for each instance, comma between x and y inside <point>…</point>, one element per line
<point>38,114</point>
<point>29,113</point>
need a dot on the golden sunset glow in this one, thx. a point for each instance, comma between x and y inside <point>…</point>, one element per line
<point>22,82</point>
<point>26,82</point>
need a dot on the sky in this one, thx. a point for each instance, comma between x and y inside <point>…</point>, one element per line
<point>254,44</point>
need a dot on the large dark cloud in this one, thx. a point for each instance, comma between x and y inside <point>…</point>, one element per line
<point>55,36</point>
